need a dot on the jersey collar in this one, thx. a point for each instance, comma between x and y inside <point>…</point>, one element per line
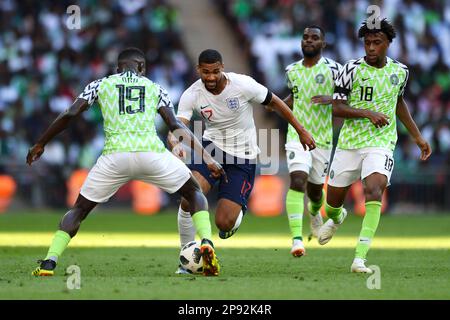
<point>320,61</point>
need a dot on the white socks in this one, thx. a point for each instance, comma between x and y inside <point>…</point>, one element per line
<point>238,221</point>
<point>186,227</point>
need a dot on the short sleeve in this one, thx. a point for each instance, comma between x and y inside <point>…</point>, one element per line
<point>288,81</point>
<point>186,105</point>
<point>344,81</point>
<point>403,86</point>
<point>254,90</point>
<point>90,92</point>
<point>164,99</point>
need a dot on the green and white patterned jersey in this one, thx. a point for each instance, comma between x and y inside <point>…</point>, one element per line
<point>307,82</point>
<point>376,89</point>
<point>129,104</point>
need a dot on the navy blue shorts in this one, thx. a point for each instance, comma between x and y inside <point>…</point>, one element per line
<point>240,173</point>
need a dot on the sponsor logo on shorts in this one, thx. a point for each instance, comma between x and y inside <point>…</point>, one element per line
<point>292,155</point>
<point>332,174</point>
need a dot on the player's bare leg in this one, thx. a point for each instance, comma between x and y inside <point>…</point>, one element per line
<point>198,207</point>
<point>374,186</point>
<point>228,217</point>
<point>335,212</point>
<point>68,228</point>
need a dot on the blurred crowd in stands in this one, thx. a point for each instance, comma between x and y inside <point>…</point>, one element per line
<point>271,32</point>
<point>44,65</point>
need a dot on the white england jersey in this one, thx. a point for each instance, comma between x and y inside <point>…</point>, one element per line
<point>229,115</point>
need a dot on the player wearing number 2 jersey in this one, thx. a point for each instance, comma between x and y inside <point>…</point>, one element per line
<point>311,81</point>
<point>369,94</point>
<point>129,103</point>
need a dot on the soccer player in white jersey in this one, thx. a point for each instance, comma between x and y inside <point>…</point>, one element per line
<point>369,94</point>
<point>311,81</point>
<point>225,101</point>
<point>129,103</point>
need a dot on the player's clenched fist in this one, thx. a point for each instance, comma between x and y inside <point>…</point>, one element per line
<point>179,152</point>
<point>306,140</point>
<point>216,169</point>
<point>377,118</point>
<point>34,153</point>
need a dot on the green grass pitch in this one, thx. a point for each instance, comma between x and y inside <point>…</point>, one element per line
<point>125,256</point>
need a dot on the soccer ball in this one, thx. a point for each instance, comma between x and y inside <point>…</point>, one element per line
<point>190,258</point>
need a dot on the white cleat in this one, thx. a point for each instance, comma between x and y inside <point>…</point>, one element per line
<point>315,222</point>
<point>181,270</point>
<point>298,249</point>
<point>358,266</point>
<point>328,229</point>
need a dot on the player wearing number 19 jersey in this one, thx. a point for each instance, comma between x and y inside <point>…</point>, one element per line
<point>129,102</point>
<point>369,94</point>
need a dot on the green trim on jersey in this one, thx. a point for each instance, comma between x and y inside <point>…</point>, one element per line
<point>129,104</point>
<point>376,89</point>
<point>306,82</point>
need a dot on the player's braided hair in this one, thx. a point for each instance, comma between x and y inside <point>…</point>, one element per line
<point>384,26</point>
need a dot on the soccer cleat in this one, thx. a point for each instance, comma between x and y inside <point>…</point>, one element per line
<point>329,228</point>
<point>298,249</point>
<point>226,234</point>
<point>315,221</point>
<point>358,266</point>
<point>211,265</point>
<point>181,270</point>
<point>45,269</point>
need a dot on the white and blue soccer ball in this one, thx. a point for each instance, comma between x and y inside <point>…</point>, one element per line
<point>190,257</point>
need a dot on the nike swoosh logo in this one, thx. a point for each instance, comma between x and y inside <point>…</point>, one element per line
<point>365,79</point>
<point>203,107</point>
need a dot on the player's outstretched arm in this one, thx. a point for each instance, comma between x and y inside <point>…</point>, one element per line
<point>403,114</point>
<point>283,110</point>
<point>343,110</point>
<point>60,124</point>
<point>179,129</point>
<point>322,99</point>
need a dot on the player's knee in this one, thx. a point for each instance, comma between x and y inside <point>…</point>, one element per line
<point>298,184</point>
<point>196,201</point>
<point>224,223</point>
<point>373,193</point>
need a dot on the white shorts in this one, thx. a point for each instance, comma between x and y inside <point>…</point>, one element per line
<point>349,166</point>
<point>314,163</point>
<point>111,171</point>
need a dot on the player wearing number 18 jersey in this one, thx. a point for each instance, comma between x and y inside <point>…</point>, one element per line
<point>129,103</point>
<point>369,94</point>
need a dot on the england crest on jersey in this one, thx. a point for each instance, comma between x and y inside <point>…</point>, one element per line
<point>233,103</point>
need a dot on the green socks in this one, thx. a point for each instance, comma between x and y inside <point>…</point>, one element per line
<point>294,208</point>
<point>369,226</point>
<point>314,207</point>
<point>59,244</point>
<point>202,224</point>
<point>334,214</point>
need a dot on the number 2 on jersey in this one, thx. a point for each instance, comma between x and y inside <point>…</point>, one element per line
<point>127,93</point>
